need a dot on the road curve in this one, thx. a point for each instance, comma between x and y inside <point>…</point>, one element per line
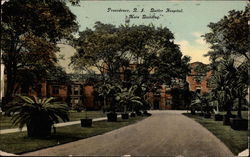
<point>165,133</point>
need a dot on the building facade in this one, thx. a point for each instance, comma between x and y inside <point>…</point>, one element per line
<point>76,93</point>
<point>199,81</point>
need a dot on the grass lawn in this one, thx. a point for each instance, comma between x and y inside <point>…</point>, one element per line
<point>5,122</point>
<point>244,114</point>
<point>73,116</point>
<point>19,143</point>
<point>236,141</point>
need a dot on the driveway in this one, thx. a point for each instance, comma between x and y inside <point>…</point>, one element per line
<point>165,133</point>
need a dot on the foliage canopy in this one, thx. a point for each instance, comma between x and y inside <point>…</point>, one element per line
<point>30,31</point>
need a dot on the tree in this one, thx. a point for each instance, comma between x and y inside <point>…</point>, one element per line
<point>108,91</point>
<point>110,49</point>
<point>240,86</point>
<point>181,97</point>
<point>229,36</point>
<point>229,84</point>
<point>144,55</point>
<point>222,83</point>
<point>127,98</point>
<point>56,73</point>
<point>30,33</point>
<point>202,101</point>
<point>229,39</point>
<point>99,49</point>
<point>38,114</point>
<point>153,50</point>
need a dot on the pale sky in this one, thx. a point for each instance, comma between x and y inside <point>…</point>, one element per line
<point>187,25</point>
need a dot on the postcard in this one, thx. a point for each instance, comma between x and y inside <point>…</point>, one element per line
<point>124,78</point>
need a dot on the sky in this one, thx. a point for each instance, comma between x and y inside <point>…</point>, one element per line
<point>188,20</point>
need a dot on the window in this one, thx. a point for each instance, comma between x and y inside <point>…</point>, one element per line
<point>76,90</point>
<point>55,89</point>
<point>198,78</point>
<point>168,102</point>
<point>75,101</point>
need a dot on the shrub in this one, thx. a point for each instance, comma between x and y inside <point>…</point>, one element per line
<point>38,114</point>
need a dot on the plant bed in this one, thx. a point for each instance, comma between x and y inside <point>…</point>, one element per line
<point>139,113</point>
<point>112,117</point>
<point>201,114</point>
<point>226,119</point>
<point>207,115</point>
<point>5,121</point>
<point>78,110</point>
<point>218,117</point>
<point>39,126</point>
<point>145,113</point>
<point>86,122</point>
<point>19,143</point>
<point>193,111</point>
<point>37,114</point>
<point>132,114</point>
<point>125,115</point>
<point>235,140</point>
<point>239,124</point>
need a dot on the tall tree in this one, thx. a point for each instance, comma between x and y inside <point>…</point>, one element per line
<point>229,39</point>
<point>230,35</point>
<point>99,49</point>
<point>147,54</point>
<point>229,85</point>
<point>30,32</point>
<point>153,51</point>
<point>109,48</point>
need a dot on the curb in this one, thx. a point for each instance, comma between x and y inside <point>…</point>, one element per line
<point>6,154</point>
<point>244,153</point>
<point>7,131</point>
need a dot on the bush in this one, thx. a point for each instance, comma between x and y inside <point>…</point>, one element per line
<point>78,107</point>
<point>218,117</point>
<point>37,114</point>
<point>112,117</point>
<point>125,116</point>
<point>132,114</point>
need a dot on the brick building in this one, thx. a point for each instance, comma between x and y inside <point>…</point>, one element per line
<point>198,81</point>
<point>161,99</point>
<point>81,93</point>
<point>72,92</point>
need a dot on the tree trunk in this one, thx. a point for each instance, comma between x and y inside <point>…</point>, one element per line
<point>104,103</point>
<point>229,106</point>
<point>239,109</point>
<point>217,107</point>
<point>125,108</point>
<point>9,88</point>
